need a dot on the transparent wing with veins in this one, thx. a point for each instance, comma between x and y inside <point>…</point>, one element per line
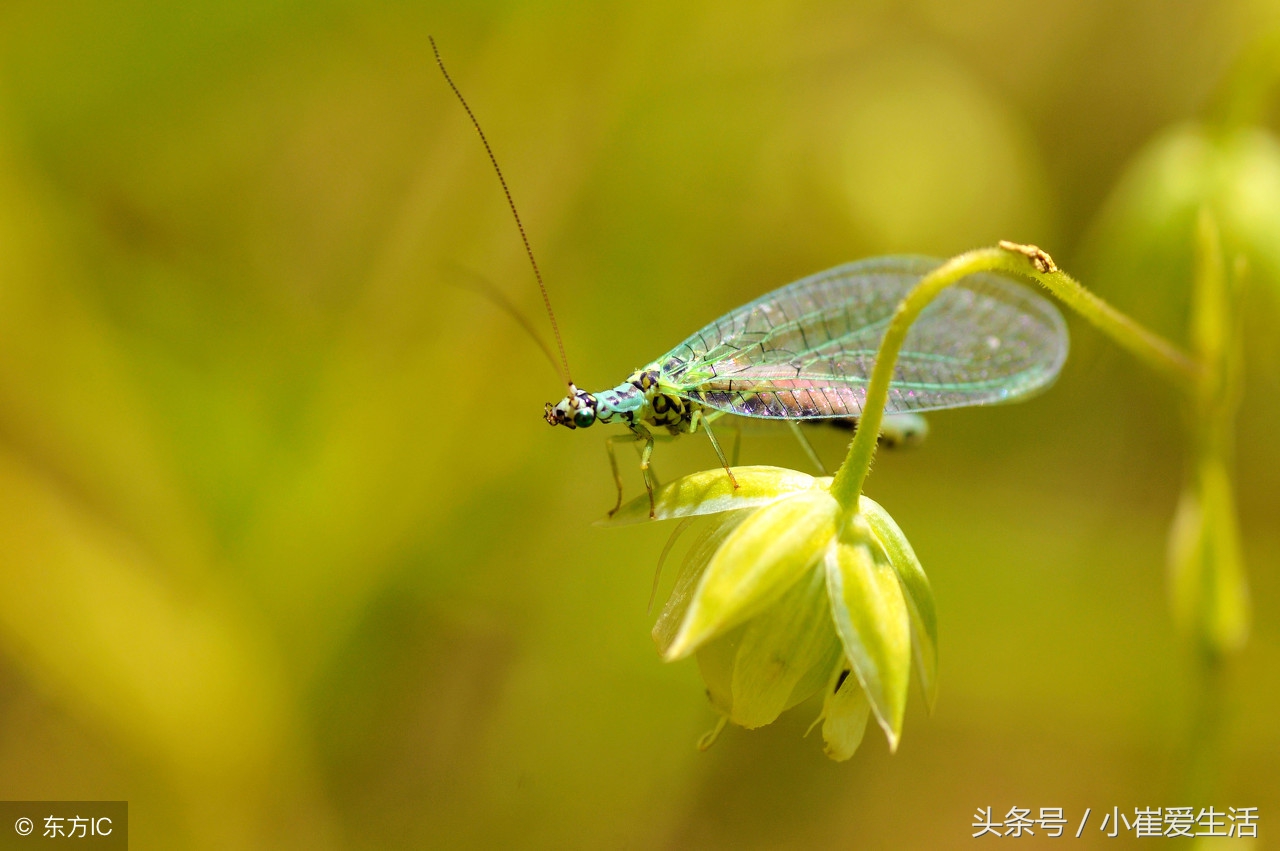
<point>805,351</point>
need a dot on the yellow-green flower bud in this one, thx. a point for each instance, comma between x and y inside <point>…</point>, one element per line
<point>781,598</point>
<point>1142,242</point>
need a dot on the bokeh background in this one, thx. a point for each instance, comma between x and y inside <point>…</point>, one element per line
<point>288,558</point>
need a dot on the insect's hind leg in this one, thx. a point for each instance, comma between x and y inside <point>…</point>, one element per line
<point>807,447</point>
<point>720,453</point>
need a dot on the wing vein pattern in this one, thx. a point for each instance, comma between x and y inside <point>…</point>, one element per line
<point>805,351</point>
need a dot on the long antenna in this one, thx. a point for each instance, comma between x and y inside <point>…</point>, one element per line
<point>546,299</point>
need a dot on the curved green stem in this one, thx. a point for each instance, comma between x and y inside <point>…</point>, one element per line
<point>1170,361</point>
<point>847,486</point>
<point>1179,368</point>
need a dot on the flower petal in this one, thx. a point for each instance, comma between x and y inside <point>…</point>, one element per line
<point>844,719</point>
<point>715,664</point>
<point>915,585</point>
<point>695,564</point>
<point>871,618</point>
<point>790,642</point>
<point>711,492</point>
<point>756,564</point>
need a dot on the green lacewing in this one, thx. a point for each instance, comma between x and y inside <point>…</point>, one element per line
<point>804,352</point>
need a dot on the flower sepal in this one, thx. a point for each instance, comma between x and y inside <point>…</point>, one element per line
<point>712,492</point>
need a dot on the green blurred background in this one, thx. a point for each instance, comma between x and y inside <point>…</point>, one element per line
<point>288,558</point>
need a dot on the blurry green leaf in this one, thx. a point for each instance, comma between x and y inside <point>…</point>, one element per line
<point>871,618</point>
<point>69,392</point>
<point>1207,579</point>
<point>711,492</point>
<point>790,642</point>
<point>756,564</point>
<point>1207,574</point>
<point>919,595</point>
<point>844,719</point>
<point>89,617</point>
